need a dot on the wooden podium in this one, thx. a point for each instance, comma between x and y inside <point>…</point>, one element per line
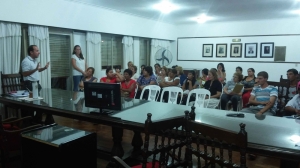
<point>58,146</point>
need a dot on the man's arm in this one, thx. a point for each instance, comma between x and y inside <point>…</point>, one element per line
<point>46,66</point>
<point>253,101</point>
<point>28,73</point>
<point>269,105</point>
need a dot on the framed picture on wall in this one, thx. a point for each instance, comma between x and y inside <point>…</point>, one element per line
<point>236,50</point>
<point>221,50</point>
<point>266,50</point>
<point>250,50</point>
<point>207,50</point>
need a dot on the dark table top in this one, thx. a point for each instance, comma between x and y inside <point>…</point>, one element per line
<point>274,133</point>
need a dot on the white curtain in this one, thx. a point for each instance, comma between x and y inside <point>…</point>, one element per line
<point>93,58</point>
<point>10,50</point>
<point>155,46</point>
<point>39,35</point>
<point>127,50</point>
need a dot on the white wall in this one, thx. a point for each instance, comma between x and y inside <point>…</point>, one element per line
<point>266,27</point>
<point>80,16</point>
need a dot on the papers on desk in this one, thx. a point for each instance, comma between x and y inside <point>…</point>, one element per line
<point>30,99</point>
<point>19,94</point>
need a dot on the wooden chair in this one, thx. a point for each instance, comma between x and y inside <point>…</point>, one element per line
<point>168,141</point>
<point>204,135</point>
<point>10,82</point>
<point>10,130</point>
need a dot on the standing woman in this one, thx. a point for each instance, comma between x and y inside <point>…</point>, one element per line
<point>79,66</point>
<point>248,82</point>
<point>221,73</point>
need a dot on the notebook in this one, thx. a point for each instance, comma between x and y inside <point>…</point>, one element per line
<point>238,88</point>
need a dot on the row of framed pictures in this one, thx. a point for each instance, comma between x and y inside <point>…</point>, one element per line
<point>266,50</point>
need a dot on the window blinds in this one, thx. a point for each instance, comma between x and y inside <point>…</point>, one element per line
<point>111,51</point>
<point>60,55</point>
<point>144,51</point>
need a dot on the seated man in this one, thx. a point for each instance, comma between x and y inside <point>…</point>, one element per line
<point>292,77</point>
<point>263,97</point>
<point>293,106</point>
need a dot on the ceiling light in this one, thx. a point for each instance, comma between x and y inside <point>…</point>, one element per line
<point>295,138</point>
<point>296,12</point>
<point>203,18</point>
<point>165,7</point>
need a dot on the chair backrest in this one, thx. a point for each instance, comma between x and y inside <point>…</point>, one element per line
<point>153,92</point>
<point>173,94</point>
<point>10,82</point>
<point>169,139</point>
<point>200,97</point>
<point>283,94</point>
<point>205,135</point>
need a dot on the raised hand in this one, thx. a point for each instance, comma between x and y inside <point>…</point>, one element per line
<point>38,66</point>
<point>47,65</point>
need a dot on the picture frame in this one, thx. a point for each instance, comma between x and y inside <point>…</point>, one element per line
<point>266,50</point>
<point>236,50</point>
<point>250,50</point>
<point>221,50</point>
<point>207,50</point>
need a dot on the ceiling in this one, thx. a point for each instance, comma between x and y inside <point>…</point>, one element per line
<point>219,10</point>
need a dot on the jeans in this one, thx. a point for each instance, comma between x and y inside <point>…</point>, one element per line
<point>233,98</point>
<point>76,81</point>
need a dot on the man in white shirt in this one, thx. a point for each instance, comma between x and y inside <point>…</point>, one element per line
<point>293,106</point>
<point>31,68</point>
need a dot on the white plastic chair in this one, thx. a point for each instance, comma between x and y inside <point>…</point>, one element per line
<point>173,94</point>
<point>153,91</point>
<point>135,90</point>
<point>200,97</point>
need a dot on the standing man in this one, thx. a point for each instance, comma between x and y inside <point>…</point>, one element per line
<point>263,97</point>
<point>31,68</point>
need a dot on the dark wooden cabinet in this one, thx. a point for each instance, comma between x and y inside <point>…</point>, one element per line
<point>58,146</point>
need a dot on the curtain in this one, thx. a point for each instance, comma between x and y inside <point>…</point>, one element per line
<point>10,51</point>
<point>93,58</point>
<point>155,46</point>
<point>127,50</point>
<point>39,35</point>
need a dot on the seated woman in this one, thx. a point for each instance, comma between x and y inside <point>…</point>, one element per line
<point>144,80</point>
<point>128,85</point>
<point>88,78</point>
<point>228,93</point>
<point>221,73</point>
<point>171,80</point>
<point>180,74</point>
<point>248,82</point>
<point>189,84</point>
<point>157,69</point>
<point>112,77</point>
<point>135,75</point>
<point>163,74</point>
<point>204,77</point>
<point>215,88</point>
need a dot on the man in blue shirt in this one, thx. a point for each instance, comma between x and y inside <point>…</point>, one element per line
<point>263,97</point>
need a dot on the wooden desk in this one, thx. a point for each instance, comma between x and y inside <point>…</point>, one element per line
<point>269,136</point>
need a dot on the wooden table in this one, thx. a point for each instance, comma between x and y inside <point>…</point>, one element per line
<point>268,136</point>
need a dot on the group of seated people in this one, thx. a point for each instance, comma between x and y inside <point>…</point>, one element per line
<point>256,96</point>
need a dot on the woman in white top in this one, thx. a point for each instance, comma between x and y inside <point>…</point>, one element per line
<point>79,66</point>
<point>135,75</point>
<point>171,80</point>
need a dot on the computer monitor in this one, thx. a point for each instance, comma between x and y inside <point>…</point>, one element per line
<point>105,96</point>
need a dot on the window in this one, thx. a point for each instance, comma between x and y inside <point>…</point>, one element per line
<point>60,60</point>
<point>111,51</point>
<point>144,51</point>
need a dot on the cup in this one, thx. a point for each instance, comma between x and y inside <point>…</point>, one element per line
<point>30,95</point>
